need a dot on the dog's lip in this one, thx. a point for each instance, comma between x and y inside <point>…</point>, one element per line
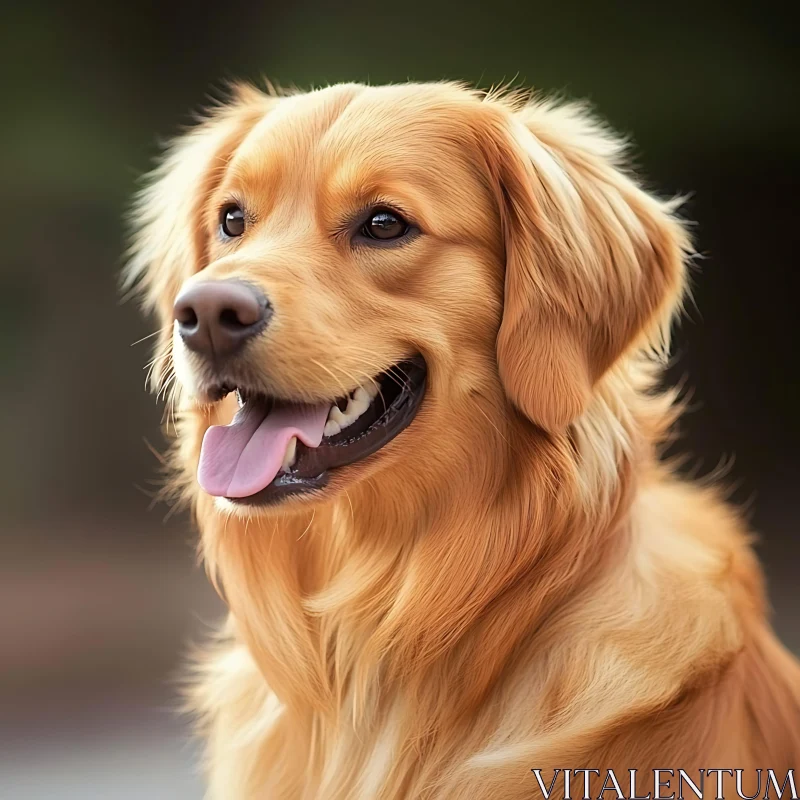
<point>403,387</point>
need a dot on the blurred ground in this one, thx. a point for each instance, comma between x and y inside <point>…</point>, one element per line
<point>124,753</point>
<point>92,664</point>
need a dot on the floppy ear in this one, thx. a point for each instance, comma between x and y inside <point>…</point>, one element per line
<point>594,265</point>
<point>169,241</point>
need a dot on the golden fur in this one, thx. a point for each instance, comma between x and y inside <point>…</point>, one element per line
<point>516,581</point>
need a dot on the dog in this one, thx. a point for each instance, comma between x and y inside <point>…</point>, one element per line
<point>412,338</point>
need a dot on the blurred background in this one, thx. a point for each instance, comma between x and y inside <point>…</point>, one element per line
<point>99,593</point>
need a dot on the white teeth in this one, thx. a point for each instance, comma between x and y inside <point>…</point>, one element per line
<point>290,455</point>
<point>336,421</point>
<point>336,415</point>
<point>357,404</point>
<point>360,396</point>
<point>331,428</point>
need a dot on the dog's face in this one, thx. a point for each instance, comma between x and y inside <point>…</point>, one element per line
<point>367,268</point>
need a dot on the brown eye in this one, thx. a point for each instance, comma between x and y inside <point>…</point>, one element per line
<point>232,221</point>
<point>385,225</point>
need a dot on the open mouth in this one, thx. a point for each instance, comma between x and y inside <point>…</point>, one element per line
<point>274,448</point>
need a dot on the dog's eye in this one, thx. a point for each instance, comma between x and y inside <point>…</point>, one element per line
<point>384,225</point>
<point>232,221</point>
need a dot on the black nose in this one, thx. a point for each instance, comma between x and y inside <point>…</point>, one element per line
<point>216,318</point>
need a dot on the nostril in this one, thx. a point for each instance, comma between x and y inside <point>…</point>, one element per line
<point>187,318</point>
<point>229,317</point>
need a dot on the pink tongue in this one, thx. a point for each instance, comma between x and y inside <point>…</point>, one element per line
<point>243,458</point>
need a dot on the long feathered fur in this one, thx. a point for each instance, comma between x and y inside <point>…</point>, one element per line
<point>519,583</point>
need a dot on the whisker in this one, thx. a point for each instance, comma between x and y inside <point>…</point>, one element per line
<point>352,378</point>
<point>150,336</point>
<point>151,365</point>
<point>332,374</point>
<point>403,373</point>
<point>356,382</point>
<point>163,367</point>
<point>155,359</point>
<point>171,408</point>
<point>380,392</point>
<point>394,373</point>
<point>165,386</point>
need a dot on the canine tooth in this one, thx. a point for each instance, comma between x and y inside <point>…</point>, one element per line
<point>371,388</point>
<point>333,424</point>
<point>290,455</point>
<point>335,415</point>
<point>331,428</point>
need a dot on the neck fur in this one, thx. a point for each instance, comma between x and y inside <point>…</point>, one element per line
<point>442,584</point>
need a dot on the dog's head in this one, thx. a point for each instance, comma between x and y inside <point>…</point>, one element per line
<point>372,271</point>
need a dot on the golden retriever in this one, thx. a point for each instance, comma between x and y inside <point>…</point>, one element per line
<point>412,336</point>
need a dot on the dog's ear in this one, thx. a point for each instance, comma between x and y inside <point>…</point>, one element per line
<point>169,238</point>
<point>594,264</point>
